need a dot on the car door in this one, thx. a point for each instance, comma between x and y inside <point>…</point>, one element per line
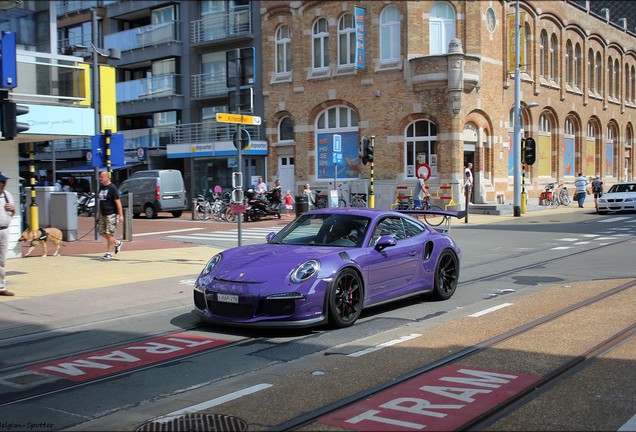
<point>391,271</point>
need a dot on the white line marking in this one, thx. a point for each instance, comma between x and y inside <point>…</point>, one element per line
<point>629,426</point>
<point>581,243</point>
<point>166,232</point>
<point>561,248</point>
<point>384,345</point>
<point>614,219</point>
<point>213,402</point>
<point>492,309</point>
<point>568,239</point>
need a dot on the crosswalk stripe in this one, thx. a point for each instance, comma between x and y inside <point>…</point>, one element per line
<point>250,233</point>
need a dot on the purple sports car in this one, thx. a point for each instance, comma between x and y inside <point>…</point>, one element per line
<point>326,267</point>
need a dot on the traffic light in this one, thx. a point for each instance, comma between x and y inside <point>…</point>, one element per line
<point>364,143</point>
<point>367,150</point>
<point>11,127</point>
<point>529,151</point>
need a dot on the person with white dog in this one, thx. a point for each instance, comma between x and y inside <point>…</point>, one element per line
<point>110,214</point>
<point>7,211</point>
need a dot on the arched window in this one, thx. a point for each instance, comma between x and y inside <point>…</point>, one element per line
<point>611,150</point>
<point>320,47</point>
<point>545,146</point>
<point>578,77</point>
<point>283,50</point>
<point>339,121</point>
<point>554,58</point>
<point>617,79</point>
<point>346,41</point>
<point>286,129</point>
<point>591,82</point>
<point>598,74</point>
<point>569,63</point>
<point>543,53</point>
<point>441,27</point>
<point>569,136</point>
<point>390,34</point>
<point>421,147</point>
<point>610,75</point>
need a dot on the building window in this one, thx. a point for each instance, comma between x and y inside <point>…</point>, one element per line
<point>617,79</point>
<point>390,34</point>
<point>286,129</point>
<point>421,147</point>
<point>442,27</point>
<point>283,50</point>
<point>590,71</point>
<point>346,41</point>
<point>320,44</point>
<point>610,75</point>
<point>543,54</point>
<point>577,66</point>
<point>598,67</point>
<point>569,63</point>
<point>554,57</point>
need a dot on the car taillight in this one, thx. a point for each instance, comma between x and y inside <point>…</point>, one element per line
<point>157,192</point>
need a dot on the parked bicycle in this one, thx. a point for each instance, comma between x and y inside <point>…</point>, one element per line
<point>355,199</point>
<point>555,196</point>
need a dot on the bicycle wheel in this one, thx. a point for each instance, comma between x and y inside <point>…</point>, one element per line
<point>200,212</point>
<point>230,216</point>
<point>565,198</point>
<point>432,219</point>
<point>217,211</point>
<point>358,202</point>
<point>342,202</point>
<point>555,201</point>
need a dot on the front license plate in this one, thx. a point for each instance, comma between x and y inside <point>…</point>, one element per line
<point>227,298</point>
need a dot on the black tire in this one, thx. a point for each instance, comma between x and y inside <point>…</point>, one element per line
<point>446,275</point>
<point>177,213</point>
<point>200,212</point>
<point>434,220</point>
<point>150,212</point>
<point>279,215</point>
<point>344,299</point>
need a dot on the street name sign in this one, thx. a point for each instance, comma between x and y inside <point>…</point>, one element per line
<point>238,118</point>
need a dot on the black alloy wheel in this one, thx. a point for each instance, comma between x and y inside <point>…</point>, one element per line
<point>345,299</point>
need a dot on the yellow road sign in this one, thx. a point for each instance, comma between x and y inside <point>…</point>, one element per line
<point>238,118</point>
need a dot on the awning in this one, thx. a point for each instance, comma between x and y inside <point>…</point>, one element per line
<point>91,169</point>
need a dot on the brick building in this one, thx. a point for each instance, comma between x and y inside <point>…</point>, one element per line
<point>432,81</point>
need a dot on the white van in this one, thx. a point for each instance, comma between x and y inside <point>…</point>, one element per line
<point>155,191</point>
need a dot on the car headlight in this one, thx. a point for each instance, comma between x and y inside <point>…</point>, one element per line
<point>630,199</point>
<point>305,271</point>
<point>212,263</point>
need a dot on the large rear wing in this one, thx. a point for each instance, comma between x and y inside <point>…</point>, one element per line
<point>446,215</point>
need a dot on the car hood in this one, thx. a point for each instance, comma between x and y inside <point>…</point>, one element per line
<point>261,263</point>
<point>619,195</point>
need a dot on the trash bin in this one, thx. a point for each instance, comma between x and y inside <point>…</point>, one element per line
<point>302,205</point>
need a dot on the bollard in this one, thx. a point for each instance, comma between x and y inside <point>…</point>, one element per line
<point>128,219</point>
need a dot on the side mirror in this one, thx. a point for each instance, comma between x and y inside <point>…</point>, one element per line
<point>384,242</point>
<point>270,236</point>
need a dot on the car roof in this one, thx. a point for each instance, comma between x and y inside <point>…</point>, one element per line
<point>371,213</point>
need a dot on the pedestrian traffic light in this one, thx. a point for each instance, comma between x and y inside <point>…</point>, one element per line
<point>529,151</point>
<point>367,150</point>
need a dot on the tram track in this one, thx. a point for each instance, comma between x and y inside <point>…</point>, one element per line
<point>309,420</point>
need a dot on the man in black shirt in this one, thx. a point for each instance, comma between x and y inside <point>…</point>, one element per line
<point>110,213</point>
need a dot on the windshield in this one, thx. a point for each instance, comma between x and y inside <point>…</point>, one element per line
<point>623,187</point>
<point>324,230</point>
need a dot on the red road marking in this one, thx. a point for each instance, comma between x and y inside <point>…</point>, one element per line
<point>441,400</point>
<point>101,363</point>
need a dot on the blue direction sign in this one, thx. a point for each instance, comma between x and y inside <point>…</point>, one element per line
<point>8,67</point>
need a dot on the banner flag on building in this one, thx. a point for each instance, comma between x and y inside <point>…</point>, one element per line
<point>361,55</point>
<point>511,43</point>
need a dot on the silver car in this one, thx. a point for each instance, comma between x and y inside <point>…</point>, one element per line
<point>620,197</point>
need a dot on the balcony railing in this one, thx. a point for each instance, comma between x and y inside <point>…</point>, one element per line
<point>221,26</point>
<point>69,6</point>
<point>209,84</point>
<point>140,37</point>
<point>211,131</point>
<point>149,137</point>
<point>149,88</point>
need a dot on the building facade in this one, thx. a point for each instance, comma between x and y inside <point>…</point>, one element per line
<point>433,83</point>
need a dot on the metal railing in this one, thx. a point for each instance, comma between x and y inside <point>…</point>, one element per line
<point>149,88</point>
<point>209,84</point>
<point>221,26</point>
<point>140,37</point>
